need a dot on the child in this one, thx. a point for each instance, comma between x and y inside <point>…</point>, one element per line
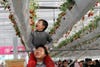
<point>40,58</point>
<point>37,38</point>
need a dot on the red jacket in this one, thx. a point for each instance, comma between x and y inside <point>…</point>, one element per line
<point>48,61</point>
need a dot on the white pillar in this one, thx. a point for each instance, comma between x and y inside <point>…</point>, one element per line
<point>15,44</point>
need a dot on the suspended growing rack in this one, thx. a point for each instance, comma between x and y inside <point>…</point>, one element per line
<point>89,28</point>
<point>72,17</point>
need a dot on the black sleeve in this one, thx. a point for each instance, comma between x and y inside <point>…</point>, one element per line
<point>49,43</point>
<point>49,38</point>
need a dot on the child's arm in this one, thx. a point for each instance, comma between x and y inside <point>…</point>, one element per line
<point>30,44</point>
<point>50,41</point>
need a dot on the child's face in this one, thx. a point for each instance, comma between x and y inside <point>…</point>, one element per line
<point>40,26</point>
<point>39,53</point>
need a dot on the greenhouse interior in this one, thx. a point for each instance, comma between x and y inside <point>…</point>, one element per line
<point>49,33</point>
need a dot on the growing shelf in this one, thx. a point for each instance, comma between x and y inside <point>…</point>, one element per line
<point>94,45</point>
<point>72,16</point>
<point>76,43</point>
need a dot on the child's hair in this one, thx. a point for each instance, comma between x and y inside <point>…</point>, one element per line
<point>42,46</point>
<point>45,23</point>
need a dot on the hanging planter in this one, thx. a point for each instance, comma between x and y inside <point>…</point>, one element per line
<point>17,30</point>
<point>11,17</point>
<point>63,7</point>
<point>62,14</point>
<point>90,14</point>
<point>67,5</point>
<point>52,31</point>
<point>56,27</point>
<point>31,21</point>
<point>4,3</point>
<point>32,10</point>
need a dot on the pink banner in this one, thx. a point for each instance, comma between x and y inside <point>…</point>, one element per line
<point>7,49</point>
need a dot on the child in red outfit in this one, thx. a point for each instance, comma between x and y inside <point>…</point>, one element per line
<point>47,60</point>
